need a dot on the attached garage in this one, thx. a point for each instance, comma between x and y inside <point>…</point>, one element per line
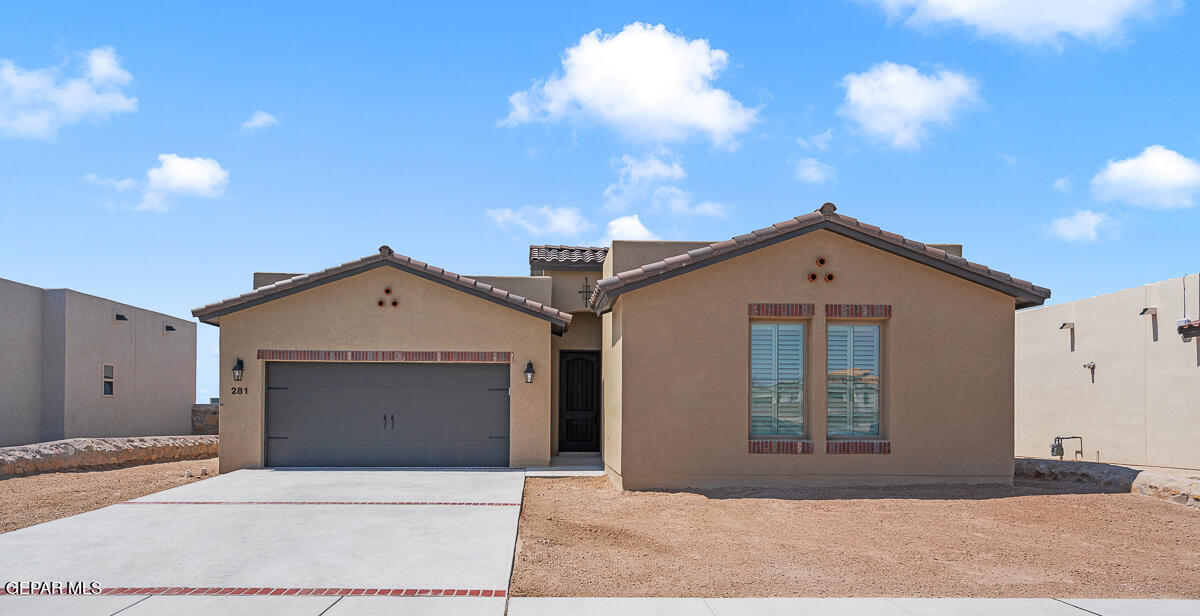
<point>386,414</point>
<point>386,361</point>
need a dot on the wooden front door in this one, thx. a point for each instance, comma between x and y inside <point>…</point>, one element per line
<point>579,401</point>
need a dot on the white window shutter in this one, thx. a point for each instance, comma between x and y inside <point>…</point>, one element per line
<point>776,379</point>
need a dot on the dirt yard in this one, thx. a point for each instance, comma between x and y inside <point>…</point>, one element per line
<point>25,501</point>
<point>580,537</point>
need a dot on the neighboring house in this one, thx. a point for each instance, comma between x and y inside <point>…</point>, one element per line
<point>1120,370</point>
<point>75,365</point>
<point>817,351</point>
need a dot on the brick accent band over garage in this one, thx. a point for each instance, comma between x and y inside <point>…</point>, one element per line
<point>781,310</point>
<point>773,446</point>
<point>859,311</point>
<point>858,447</point>
<point>453,357</point>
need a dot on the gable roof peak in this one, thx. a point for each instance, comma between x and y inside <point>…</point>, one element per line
<point>827,209</point>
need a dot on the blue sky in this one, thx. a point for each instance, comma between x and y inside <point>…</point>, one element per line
<point>1056,142</point>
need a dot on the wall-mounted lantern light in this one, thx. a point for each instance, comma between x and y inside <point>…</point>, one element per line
<point>529,372</point>
<point>238,369</point>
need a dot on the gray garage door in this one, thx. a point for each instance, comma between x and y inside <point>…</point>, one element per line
<point>329,414</point>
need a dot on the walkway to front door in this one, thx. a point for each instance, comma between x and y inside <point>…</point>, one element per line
<point>579,401</point>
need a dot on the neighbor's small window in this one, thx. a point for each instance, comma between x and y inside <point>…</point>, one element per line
<point>852,380</point>
<point>107,377</point>
<point>776,379</point>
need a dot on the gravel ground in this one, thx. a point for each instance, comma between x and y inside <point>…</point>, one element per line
<point>25,501</point>
<point>580,537</point>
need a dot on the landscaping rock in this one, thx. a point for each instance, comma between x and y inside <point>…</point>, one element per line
<point>1180,489</point>
<point>77,453</point>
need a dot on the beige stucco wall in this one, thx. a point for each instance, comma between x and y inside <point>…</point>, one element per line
<point>155,384</point>
<point>20,363</point>
<point>343,315</point>
<point>536,288</point>
<point>628,254</point>
<point>682,354</point>
<point>53,343</point>
<point>566,287</point>
<point>611,370</point>
<point>1142,407</point>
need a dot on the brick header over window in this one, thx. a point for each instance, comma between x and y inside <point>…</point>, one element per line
<point>773,446</point>
<point>858,311</point>
<point>781,310</point>
<point>455,357</point>
<point>858,447</point>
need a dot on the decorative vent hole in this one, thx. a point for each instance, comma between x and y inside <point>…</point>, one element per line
<point>395,303</point>
<point>387,291</point>
<point>829,277</point>
<point>380,303</point>
<point>812,277</point>
<point>820,261</point>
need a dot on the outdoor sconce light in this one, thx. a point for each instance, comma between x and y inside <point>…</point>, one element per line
<point>238,369</point>
<point>529,372</point>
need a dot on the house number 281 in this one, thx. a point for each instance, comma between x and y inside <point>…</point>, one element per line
<point>237,391</point>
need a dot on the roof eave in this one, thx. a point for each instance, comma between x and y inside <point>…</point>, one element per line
<point>605,297</point>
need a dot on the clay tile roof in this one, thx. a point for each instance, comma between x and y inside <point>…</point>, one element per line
<point>607,289</point>
<point>385,258</point>
<point>567,257</point>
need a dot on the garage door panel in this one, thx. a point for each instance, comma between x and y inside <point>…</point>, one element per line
<point>329,414</point>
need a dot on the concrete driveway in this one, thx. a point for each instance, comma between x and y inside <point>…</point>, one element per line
<point>299,541</point>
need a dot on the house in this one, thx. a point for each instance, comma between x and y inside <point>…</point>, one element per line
<point>820,350</point>
<point>1121,371</point>
<point>75,365</point>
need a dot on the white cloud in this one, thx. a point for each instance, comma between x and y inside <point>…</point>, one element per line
<point>627,228</point>
<point>260,119</point>
<point>1078,227</point>
<point>814,171</point>
<point>818,142</point>
<point>117,185</point>
<point>544,220</point>
<point>1063,184</point>
<point>895,102</point>
<point>677,201</point>
<point>1031,21</point>
<point>636,178</point>
<point>1156,178</point>
<point>646,82</point>
<point>36,103</point>
<point>174,175</point>
<point>1008,159</point>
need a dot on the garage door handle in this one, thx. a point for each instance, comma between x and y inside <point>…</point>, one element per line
<point>393,422</point>
<point>277,438</point>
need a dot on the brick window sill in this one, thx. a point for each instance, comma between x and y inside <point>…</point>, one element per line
<point>859,446</point>
<point>784,446</point>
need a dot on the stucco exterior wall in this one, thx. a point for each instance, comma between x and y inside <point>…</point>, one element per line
<point>628,254</point>
<point>536,288</point>
<point>681,358</point>
<point>1142,407</point>
<point>20,363</point>
<point>611,371</point>
<point>343,315</point>
<point>155,370</point>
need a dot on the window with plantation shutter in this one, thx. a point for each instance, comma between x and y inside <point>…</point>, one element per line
<point>852,380</point>
<point>776,379</point>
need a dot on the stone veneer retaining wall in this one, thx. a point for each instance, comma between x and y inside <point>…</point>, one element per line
<point>205,418</point>
<point>79,453</point>
<point>1182,489</point>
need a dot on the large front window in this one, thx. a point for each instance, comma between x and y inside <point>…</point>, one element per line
<point>776,379</point>
<point>852,380</point>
